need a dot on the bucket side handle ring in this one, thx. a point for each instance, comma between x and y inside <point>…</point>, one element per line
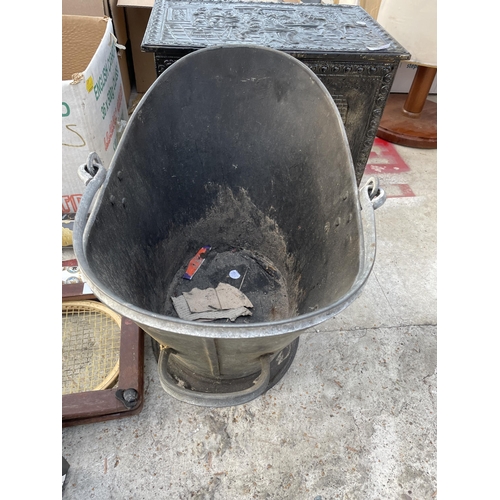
<point>218,400</point>
<point>371,197</point>
<point>375,192</point>
<point>88,171</point>
<point>93,174</point>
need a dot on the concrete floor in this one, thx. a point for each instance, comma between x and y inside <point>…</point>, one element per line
<point>354,417</point>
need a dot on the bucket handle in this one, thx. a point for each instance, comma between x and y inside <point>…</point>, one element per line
<point>375,192</point>
<point>217,400</point>
<point>93,174</point>
<point>371,197</point>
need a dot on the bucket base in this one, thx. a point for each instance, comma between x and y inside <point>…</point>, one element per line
<point>194,389</point>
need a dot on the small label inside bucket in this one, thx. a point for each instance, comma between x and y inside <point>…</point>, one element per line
<point>196,262</point>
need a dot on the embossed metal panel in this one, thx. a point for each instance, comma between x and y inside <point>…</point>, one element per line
<point>349,51</point>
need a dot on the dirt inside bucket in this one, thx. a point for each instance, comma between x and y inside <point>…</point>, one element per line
<point>257,277</point>
<point>243,239</point>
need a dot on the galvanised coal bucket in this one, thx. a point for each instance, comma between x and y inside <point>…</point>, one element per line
<point>240,148</point>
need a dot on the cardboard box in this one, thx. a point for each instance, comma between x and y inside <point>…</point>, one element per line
<point>108,8</point>
<point>95,8</point>
<point>94,110</point>
<point>137,13</point>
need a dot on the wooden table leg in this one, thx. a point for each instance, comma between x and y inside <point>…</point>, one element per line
<point>410,119</point>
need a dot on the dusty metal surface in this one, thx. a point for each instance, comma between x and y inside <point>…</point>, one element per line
<point>215,178</point>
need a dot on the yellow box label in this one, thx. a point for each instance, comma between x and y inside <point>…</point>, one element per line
<point>89,84</point>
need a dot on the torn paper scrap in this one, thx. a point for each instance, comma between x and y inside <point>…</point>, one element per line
<point>201,300</point>
<point>223,302</point>
<point>183,311</point>
<point>229,296</point>
<point>380,47</point>
<point>225,296</point>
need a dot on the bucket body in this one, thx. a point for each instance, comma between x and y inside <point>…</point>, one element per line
<point>241,148</point>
